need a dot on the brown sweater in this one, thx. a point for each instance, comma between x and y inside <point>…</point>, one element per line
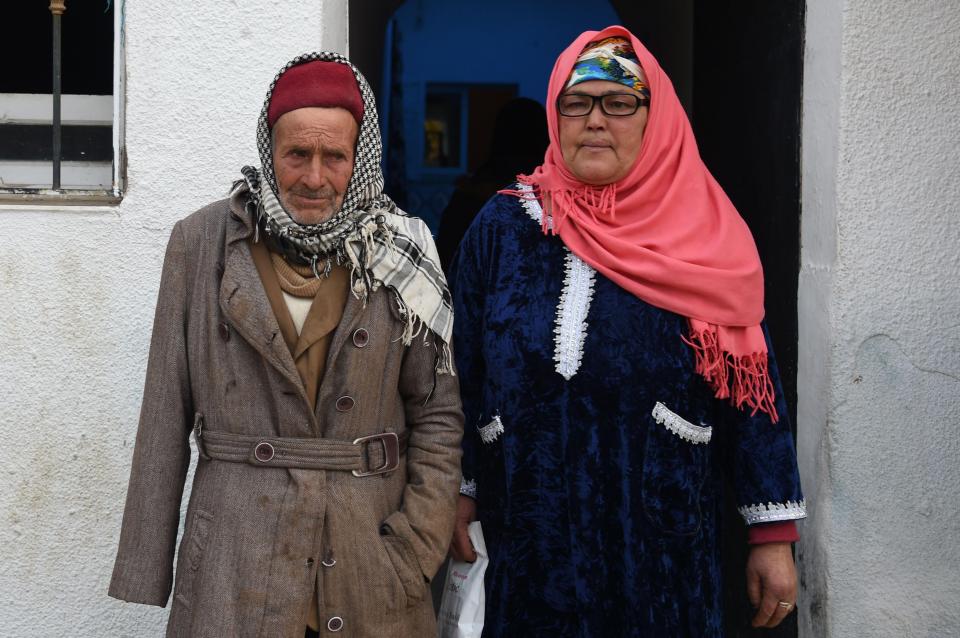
<point>310,347</point>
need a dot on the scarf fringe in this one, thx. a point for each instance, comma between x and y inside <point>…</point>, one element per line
<point>415,326</point>
<point>356,247</point>
<point>743,379</point>
<point>587,200</point>
<point>359,252</point>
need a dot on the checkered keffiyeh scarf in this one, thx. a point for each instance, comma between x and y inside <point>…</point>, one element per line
<point>380,244</point>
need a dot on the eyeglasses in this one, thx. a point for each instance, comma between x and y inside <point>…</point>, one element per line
<point>613,104</point>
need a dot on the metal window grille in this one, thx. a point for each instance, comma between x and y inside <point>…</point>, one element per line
<point>57,7</point>
<point>60,107</point>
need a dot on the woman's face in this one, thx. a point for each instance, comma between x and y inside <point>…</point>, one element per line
<point>597,148</point>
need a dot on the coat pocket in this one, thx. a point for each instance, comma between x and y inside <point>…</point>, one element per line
<point>675,465</point>
<point>191,556</point>
<point>406,567</point>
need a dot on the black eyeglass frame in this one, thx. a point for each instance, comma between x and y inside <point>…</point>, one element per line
<point>641,101</point>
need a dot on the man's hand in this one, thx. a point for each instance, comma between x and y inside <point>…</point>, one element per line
<point>460,547</point>
<point>771,580</point>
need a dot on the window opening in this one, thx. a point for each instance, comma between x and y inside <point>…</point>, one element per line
<point>441,145</point>
<point>68,148</point>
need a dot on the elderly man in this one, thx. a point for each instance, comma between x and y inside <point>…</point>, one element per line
<point>302,333</point>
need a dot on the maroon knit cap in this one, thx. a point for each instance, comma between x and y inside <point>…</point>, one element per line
<point>317,83</point>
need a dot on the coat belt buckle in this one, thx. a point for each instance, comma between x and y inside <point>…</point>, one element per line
<point>391,453</point>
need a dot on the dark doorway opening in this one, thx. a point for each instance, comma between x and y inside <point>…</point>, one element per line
<point>738,70</point>
<point>747,79</point>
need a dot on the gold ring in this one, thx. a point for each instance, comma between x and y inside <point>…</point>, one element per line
<point>785,604</point>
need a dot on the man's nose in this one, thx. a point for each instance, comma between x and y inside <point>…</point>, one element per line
<point>314,176</point>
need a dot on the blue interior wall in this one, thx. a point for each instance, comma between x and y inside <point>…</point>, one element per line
<point>494,42</point>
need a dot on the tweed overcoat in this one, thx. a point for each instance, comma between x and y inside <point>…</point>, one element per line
<point>259,540</point>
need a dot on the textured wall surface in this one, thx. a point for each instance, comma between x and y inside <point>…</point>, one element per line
<point>879,378</point>
<point>79,287</point>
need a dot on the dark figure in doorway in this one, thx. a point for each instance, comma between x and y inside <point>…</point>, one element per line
<point>519,141</point>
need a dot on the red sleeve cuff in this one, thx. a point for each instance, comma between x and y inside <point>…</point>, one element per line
<point>778,532</point>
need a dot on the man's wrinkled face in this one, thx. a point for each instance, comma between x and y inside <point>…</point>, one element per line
<point>313,152</point>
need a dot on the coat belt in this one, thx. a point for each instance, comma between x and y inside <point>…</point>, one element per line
<point>365,456</point>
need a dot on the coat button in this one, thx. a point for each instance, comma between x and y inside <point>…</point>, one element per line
<point>329,560</point>
<point>309,562</point>
<point>335,623</point>
<point>263,452</point>
<point>361,337</point>
<point>224,330</point>
<point>345,403</point>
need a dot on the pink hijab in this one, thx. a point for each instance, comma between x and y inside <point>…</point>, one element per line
<point>666,233</point>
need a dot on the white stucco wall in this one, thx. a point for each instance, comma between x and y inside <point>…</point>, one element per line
<point>78,291</point>
<point>879,369</point>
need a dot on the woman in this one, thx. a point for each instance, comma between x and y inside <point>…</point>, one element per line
<point>613,364</point>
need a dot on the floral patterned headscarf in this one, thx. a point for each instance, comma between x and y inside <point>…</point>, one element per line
<point>612,59</point>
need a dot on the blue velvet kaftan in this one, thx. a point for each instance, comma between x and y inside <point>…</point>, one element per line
<point>599,494</point>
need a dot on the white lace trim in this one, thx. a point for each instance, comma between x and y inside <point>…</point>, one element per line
<point>574,306</point>
<point>491,431</point>
<point>468,488</point>
<point>680,426</point>
<point>760,513</point>
<point>532,206</point>
<point>571,323</point>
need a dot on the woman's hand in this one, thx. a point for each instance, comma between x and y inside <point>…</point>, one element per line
<point>460,547</point>
<point>771,580</point>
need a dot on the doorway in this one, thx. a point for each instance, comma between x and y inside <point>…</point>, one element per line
<point>738,71</point>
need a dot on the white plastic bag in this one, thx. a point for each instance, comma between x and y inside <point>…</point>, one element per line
<point>461,608</point>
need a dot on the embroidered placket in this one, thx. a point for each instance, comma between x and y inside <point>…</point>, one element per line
<point>570,331</point>
<point>532,206</point>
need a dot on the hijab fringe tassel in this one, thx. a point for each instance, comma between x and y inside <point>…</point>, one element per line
<point>744,379</point>
<point>586,201</point>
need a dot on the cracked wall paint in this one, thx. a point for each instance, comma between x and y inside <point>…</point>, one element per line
<point>878,301</point>
<point>79,287</point>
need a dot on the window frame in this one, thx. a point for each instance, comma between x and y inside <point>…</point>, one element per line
<point>114,194</point>
<point>438,88</point>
